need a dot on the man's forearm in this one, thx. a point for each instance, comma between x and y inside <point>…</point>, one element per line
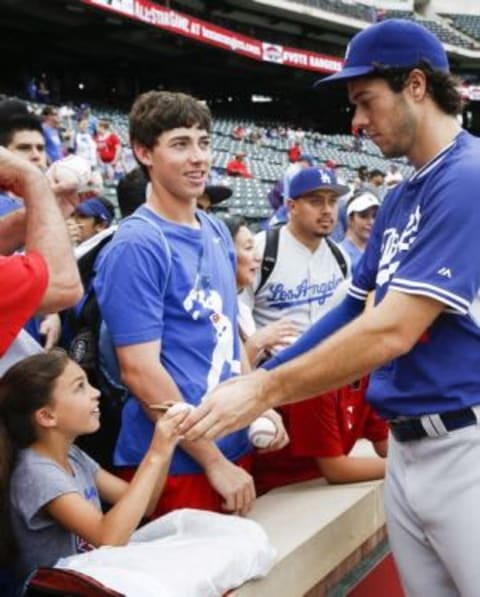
<point>351,469</point>
<point>342,314</point>
<point>344,357</point>
<point>46,232</point>
<point>374,338</point>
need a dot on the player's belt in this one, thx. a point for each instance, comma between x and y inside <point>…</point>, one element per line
<point>405,430</point>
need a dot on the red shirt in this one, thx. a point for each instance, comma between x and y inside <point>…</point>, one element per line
<point>322,427</point>
<point>238,168</point>
<point>107,147</point>
<point>294,153</point>
<point>23,282</point>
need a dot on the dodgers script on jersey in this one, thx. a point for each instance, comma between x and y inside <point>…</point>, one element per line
<point>426,241</point>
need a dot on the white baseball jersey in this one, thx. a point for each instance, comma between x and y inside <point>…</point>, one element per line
<point>303,286</point>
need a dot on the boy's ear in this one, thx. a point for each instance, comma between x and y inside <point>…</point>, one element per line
<point>45,417</point>
<point>143,154</point>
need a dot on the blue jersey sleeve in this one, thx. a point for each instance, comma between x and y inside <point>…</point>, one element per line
<point>130,287</point>
<point>441,261</point>
<point>342,314</point>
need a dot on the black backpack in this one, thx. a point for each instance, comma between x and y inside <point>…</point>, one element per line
<point>271,251</point>
<point>83,325</point>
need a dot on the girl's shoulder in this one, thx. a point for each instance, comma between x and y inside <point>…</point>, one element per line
<point>79,458</point>
<point>30,464</point>
<point>37,479</point>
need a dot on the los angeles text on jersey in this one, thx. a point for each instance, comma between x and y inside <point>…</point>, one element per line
<point>280,296</point>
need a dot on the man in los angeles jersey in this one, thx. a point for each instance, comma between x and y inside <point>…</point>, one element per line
<point>422,338</point>
<point>304,282</point>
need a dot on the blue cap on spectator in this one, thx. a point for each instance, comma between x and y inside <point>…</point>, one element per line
<point>94,208</point>
<point>309,180</point>
<point>307,157</point>
<point>394,43</point>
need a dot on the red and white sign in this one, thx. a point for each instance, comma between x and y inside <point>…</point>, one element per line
<point>470,92</point>
<point>205,32</point>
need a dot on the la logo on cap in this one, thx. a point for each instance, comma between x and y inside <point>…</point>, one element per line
<point>325,176</point>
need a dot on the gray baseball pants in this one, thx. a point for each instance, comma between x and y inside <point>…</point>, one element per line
<point>432,500</point>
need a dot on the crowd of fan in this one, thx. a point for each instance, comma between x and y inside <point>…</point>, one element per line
<point>147,312</point>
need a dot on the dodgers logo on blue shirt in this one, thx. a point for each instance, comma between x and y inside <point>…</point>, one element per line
<point>394,243</point>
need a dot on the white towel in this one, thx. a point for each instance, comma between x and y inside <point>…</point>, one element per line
<point>186,552</point>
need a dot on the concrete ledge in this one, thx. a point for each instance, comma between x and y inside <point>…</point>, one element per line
<point>316,528</point>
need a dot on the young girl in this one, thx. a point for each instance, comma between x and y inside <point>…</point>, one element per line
<point>258,343</point>
<point>50,490</point>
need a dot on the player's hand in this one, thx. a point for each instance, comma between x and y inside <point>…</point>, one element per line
<point>234,484</point>
<point>281,438</point>
<point>51,328</point>
<point>232,405</point>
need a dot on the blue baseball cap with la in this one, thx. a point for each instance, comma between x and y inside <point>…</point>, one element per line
<point>309,180</point>
<point>394,43</point>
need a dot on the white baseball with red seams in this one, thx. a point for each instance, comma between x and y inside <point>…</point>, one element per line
<point>262,432</point>
<point>72,169</point>
<point>179,407</point>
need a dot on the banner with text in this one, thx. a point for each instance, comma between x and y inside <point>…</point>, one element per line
<point>205,32</point>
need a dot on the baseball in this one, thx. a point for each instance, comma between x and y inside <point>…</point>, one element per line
<point>179,407</point>
<point>261,432</point>
<point>73,170</point>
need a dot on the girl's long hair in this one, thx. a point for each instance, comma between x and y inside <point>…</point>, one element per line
<point>24,388</point>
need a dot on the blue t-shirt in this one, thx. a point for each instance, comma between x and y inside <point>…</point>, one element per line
<point>352,250</point>
<point>53,143</point>
<point>426,241</point>
<point>9,204</point>
<point>184,295</point>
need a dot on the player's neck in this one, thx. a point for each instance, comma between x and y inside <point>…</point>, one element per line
<point>174,209</point>
<point>310,241</point>
<point>434,135</point>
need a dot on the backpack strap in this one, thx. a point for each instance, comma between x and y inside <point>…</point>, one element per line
<point>270,253</point>
<point>339,256</point>
<point>86,262</point>
<point>166,246</point>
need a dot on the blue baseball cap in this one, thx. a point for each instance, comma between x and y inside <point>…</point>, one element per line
<point>94,208</point>
<point>394,43</point>
<point>315,179</point>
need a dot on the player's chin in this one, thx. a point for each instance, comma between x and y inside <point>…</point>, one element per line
<point>322,231</point>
